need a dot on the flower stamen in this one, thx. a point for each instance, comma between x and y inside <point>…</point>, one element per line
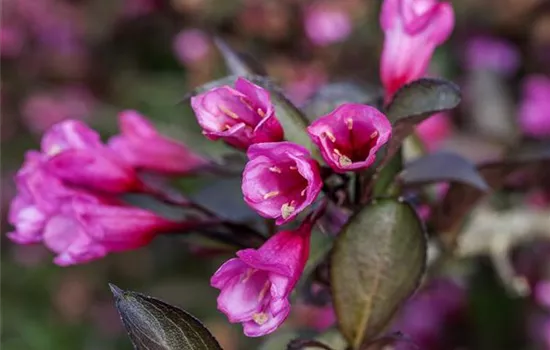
<point>271,194</point>
<point>260,318</point>
<point>374,134</point>
<point>275,169</point>
<point>349,122</point>
<point>330,135</point>
<point>287,209</point>
<point>229,113</point>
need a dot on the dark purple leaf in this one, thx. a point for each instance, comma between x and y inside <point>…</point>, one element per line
<point>442,167</point>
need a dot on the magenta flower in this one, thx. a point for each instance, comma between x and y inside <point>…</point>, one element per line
<point>534,109</point>
<point>413,29</point>
<point>280,180</point>
<point>350,136</point>
<point>542,293</point>
<point>256,285</point>
<point>143,147</point>
<point>39,196</point>
<point>75,224</point>
<point>326,24</point>
<point>241,116</point>
<point>77,156</point>
<point>493,54</point>
<point>434,130</point>
<point>89,227</point>
<point>191,46</point>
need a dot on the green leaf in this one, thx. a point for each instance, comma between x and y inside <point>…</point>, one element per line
<point>238,63</point>
<point>155,325</point>
<point>414,103</point>
<point>377,262</point>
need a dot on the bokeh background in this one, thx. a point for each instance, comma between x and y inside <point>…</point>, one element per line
<point>90,59</point>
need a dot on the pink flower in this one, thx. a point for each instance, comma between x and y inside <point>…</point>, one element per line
<point>350,136</point>
<point>77,156</point>
<point>89,227</point>
<point>413,29</point>
<point>534,109</point>
<point>44,109</point>
<point>256,285</point>
<point>141,146</point>
<point>191,46</point>
<point>12,41</point>
<point>77,225</point>
<point>493,54</point>
<point>280,180</point>
<point>434,130</point>
<point>542,293</point>
<point>241,116</point>
<point>326,24</point>
<point>39,196</point>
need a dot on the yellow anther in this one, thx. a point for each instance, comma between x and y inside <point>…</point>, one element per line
<point>271,194</point>
<point>349,122</point>
<point>275,169</point>
<point>261,113</point>
<point>374,134</point>
<point>292,167</point>
<point>330,135</point>
<point>264,290</point>
<point>54,149</point>
<point>260,318</point>
<point>287,209</point>
<point>229,113</point>
<point>226,127</point>
<point>344,161</point>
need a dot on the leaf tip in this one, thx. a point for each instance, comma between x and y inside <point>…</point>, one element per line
<point>117,292</point>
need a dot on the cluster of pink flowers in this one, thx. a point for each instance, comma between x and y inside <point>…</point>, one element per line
<point>68,193</point>
<point>280,180</point>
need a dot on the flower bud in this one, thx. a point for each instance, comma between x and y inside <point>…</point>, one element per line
<point>141,146</point>
<point>413,29</point>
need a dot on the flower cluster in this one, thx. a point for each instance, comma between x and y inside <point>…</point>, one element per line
<point>280,180</point>
<point>68,193</point>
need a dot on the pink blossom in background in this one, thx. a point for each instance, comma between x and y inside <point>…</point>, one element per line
<point>191,46</point>
<point>43,109</point>
<point>91,227</point>
<point>542,293</point>
<point>350,136</point>
<point>255,287</point>
<point>326,23</point>
<point>491,53</point>
<point>137,8</point>
<point>431,315</point>
<point>435,130</point>
<point>241,116</point>
<point>280,180</point>
<point>412,29</point>
<point>56,204</point>
<point>143,147</point>
<point>534,108</point>
<point>12,41</point>
<point>76,155</point>
<point>305,82</point>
